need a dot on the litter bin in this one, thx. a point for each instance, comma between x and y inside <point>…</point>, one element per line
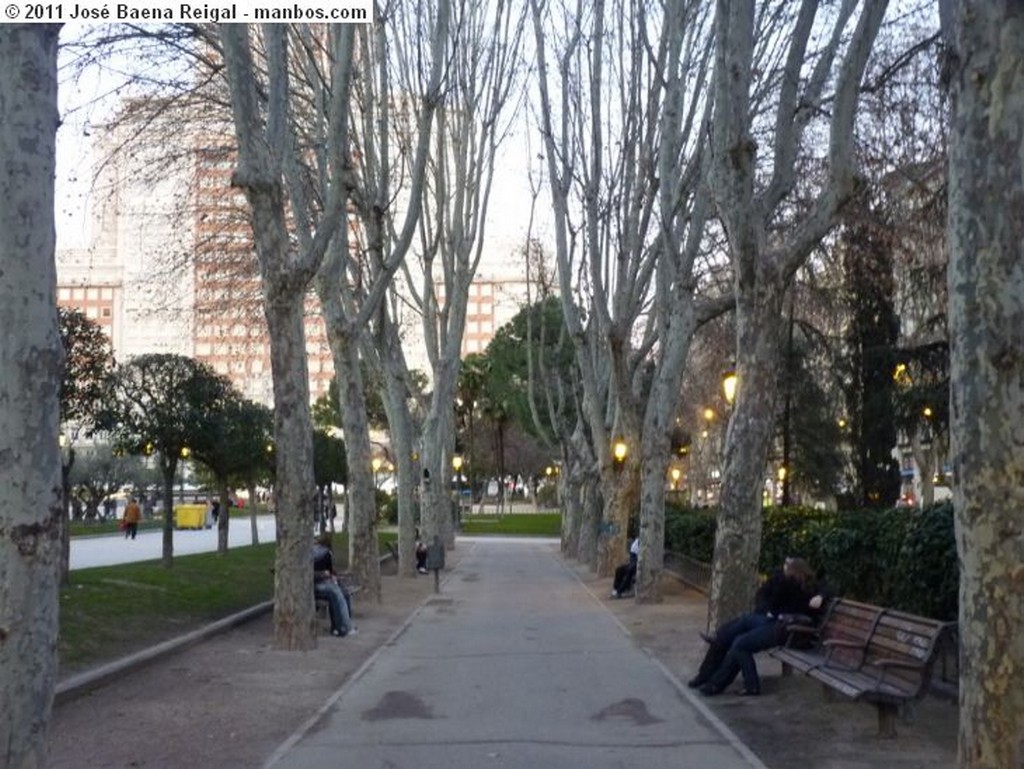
<point>189,516</point>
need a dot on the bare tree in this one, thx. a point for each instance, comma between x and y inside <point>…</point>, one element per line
<point>269,173</point>
<point>985,48</point>
<point>31,365</point>
<point>626,155</point>
<point>480,102</point>
<point>754,194</point>
<point>355,278</point>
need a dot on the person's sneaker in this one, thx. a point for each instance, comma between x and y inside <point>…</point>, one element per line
<point>696,682</point>
<point>615,594</point>
<point>338,633</point>
<point>353,631</point>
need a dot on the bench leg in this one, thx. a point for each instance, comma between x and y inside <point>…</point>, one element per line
<point>787,670</point>
<point>886,720</point>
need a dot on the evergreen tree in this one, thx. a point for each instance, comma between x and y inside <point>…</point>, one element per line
<point>871,339</point>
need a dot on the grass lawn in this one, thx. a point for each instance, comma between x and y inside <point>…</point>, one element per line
<point>523,524</point>
<point>111,611</point>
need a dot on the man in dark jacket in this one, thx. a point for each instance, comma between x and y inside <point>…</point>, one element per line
<point>788,597</point>
<point>326,585</point>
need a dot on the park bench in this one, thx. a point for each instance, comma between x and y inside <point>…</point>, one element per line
<point>869,654</point>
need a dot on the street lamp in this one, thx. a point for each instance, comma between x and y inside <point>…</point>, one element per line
<point>185,452</point>
<point>729,382</point>
<point>376,463</point>
<point>675,473</point>
<point>619,451</point>
<point>457,467</point>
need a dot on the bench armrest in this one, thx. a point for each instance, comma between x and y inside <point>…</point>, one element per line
<point>801,632</point>
<point>802,629</point>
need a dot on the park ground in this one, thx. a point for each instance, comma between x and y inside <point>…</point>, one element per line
<point>232,700</point>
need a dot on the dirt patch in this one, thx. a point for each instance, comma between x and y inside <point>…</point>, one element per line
<point>227,702</point>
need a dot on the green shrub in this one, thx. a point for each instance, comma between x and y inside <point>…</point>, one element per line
<point>905,559</point>
<point>790,531</point>
<point>926,575</point>
<point>690,532</point>
<point>547,496</point>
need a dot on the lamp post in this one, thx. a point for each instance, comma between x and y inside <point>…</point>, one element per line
<point>185,452</point>
<point>619,452</point>
<point>457,462</point>
<point>729,382</point>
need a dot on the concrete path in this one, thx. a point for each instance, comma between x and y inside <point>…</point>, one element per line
<point>515,665</point>
<point>87,552</point>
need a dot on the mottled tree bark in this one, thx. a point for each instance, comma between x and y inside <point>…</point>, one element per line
<point>985,46</point>
<point>31,366</point>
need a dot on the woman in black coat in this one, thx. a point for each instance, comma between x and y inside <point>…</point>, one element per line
<point>788,597</point>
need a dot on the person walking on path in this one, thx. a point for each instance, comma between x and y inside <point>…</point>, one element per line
<point>132,516</point>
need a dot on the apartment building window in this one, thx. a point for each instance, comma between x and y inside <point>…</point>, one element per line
<point>64,293</point>
<point>105,312</point>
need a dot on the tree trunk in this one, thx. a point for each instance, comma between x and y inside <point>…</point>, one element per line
<point>223,518</point>
<point>986,283</point>
<point>167,555</point>
<point>923,458</point>
<point>622,490</point>
<point>31,364</point>
<point>294,618</point>
<point>403,442</point>
<point>738,534</point>
<point>590,525</point>
<point>253,527</point>
<point>65,519</point>
<point>363,553</point>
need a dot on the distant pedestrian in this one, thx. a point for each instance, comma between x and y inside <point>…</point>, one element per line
<point>132,516</point>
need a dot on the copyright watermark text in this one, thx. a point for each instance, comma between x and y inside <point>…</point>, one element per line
<point>155,11</point>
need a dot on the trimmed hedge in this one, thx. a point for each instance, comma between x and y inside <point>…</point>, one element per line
<point>903,558</point>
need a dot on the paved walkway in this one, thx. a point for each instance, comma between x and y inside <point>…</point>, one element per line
<point>515,664</point>
<point>111,549</point>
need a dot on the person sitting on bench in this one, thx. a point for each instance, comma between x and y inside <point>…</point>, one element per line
<point>626,573</point>
<point>788,597</point>
<point>327,586</point>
